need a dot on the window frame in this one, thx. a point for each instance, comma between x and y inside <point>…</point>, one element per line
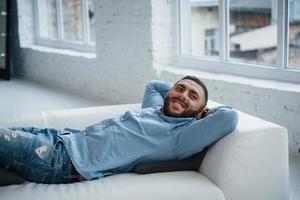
<point>222,63</point>
<point>85,46</point>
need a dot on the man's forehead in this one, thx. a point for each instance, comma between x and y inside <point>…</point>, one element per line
<point>191,84</point>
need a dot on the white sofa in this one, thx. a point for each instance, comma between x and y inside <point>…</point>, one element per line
<point>249,164</point>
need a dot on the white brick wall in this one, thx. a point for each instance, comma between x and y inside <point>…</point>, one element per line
<point>163,31</point>
<point>123,38</point>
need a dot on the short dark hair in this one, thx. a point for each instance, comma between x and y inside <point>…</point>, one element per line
<point>196,80</point>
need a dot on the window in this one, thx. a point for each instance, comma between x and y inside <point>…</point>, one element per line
<point>65,24</point>
<point>201,29</point>
<point>254,38</point>
<point>211,42</point>
<point>294,34</point>
<point>253,31</point>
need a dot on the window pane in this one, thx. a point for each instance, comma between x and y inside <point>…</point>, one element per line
<point>253,31</point>
<point>72,20</point>
<point>47,19</point>
<point>294,34</point>
<point>92,21</point>
<point>204,28</point>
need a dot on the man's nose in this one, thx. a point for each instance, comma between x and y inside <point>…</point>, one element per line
<point>184,95</point>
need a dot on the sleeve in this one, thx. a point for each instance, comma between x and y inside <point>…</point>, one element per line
<point>206,131</point>
<point>155,93</point>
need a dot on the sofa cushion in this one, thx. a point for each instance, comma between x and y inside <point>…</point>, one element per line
<point>191,163</point>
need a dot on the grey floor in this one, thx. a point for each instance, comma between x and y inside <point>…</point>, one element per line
<point>20,96</point>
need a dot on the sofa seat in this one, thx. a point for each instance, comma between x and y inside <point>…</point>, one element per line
<point>169,185</point>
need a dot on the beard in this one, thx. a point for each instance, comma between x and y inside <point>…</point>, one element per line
<point>185,113</point>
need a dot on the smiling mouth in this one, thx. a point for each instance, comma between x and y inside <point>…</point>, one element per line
<point>180,102</point>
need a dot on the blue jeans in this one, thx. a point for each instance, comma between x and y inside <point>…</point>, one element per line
<point>37,155</point>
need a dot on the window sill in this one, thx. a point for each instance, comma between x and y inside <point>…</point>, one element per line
<point>59,51</point>
<point>260,83</point>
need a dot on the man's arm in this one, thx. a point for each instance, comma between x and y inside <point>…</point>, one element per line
<point>155,93</point>
<point>206,131</point>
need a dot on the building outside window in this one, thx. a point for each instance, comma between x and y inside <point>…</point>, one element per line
<point>243,37</point>
<point>203,28</point>
<point>211,42</point>
<point>253,31</point>
<point>68,24</point>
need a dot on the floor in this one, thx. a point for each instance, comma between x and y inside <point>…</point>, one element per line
<point>20,96</point>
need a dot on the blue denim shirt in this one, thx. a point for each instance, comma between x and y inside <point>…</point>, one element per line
<point>117,144</point>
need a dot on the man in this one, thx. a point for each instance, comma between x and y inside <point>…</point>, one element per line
<point>173,124</point>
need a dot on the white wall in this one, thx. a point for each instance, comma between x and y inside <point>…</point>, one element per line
<point>123,38</point>
<point>136,41</point>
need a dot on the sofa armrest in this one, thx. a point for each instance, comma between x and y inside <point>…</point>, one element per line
<point>79,118</point>
<point>76,118</point>
<point>250,163</point>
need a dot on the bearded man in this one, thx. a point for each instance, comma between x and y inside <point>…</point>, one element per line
<point>173,124</point>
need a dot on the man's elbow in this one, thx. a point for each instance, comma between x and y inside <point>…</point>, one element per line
<point>234,119</point>
<point>229,117</point>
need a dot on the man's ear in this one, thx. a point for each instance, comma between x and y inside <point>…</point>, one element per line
<point>205,111</point>
<point>201,114</point>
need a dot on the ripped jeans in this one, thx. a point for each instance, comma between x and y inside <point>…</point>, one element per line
<point>37,155</point>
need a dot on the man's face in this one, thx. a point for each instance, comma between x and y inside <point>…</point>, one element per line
<point>185,99</point>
